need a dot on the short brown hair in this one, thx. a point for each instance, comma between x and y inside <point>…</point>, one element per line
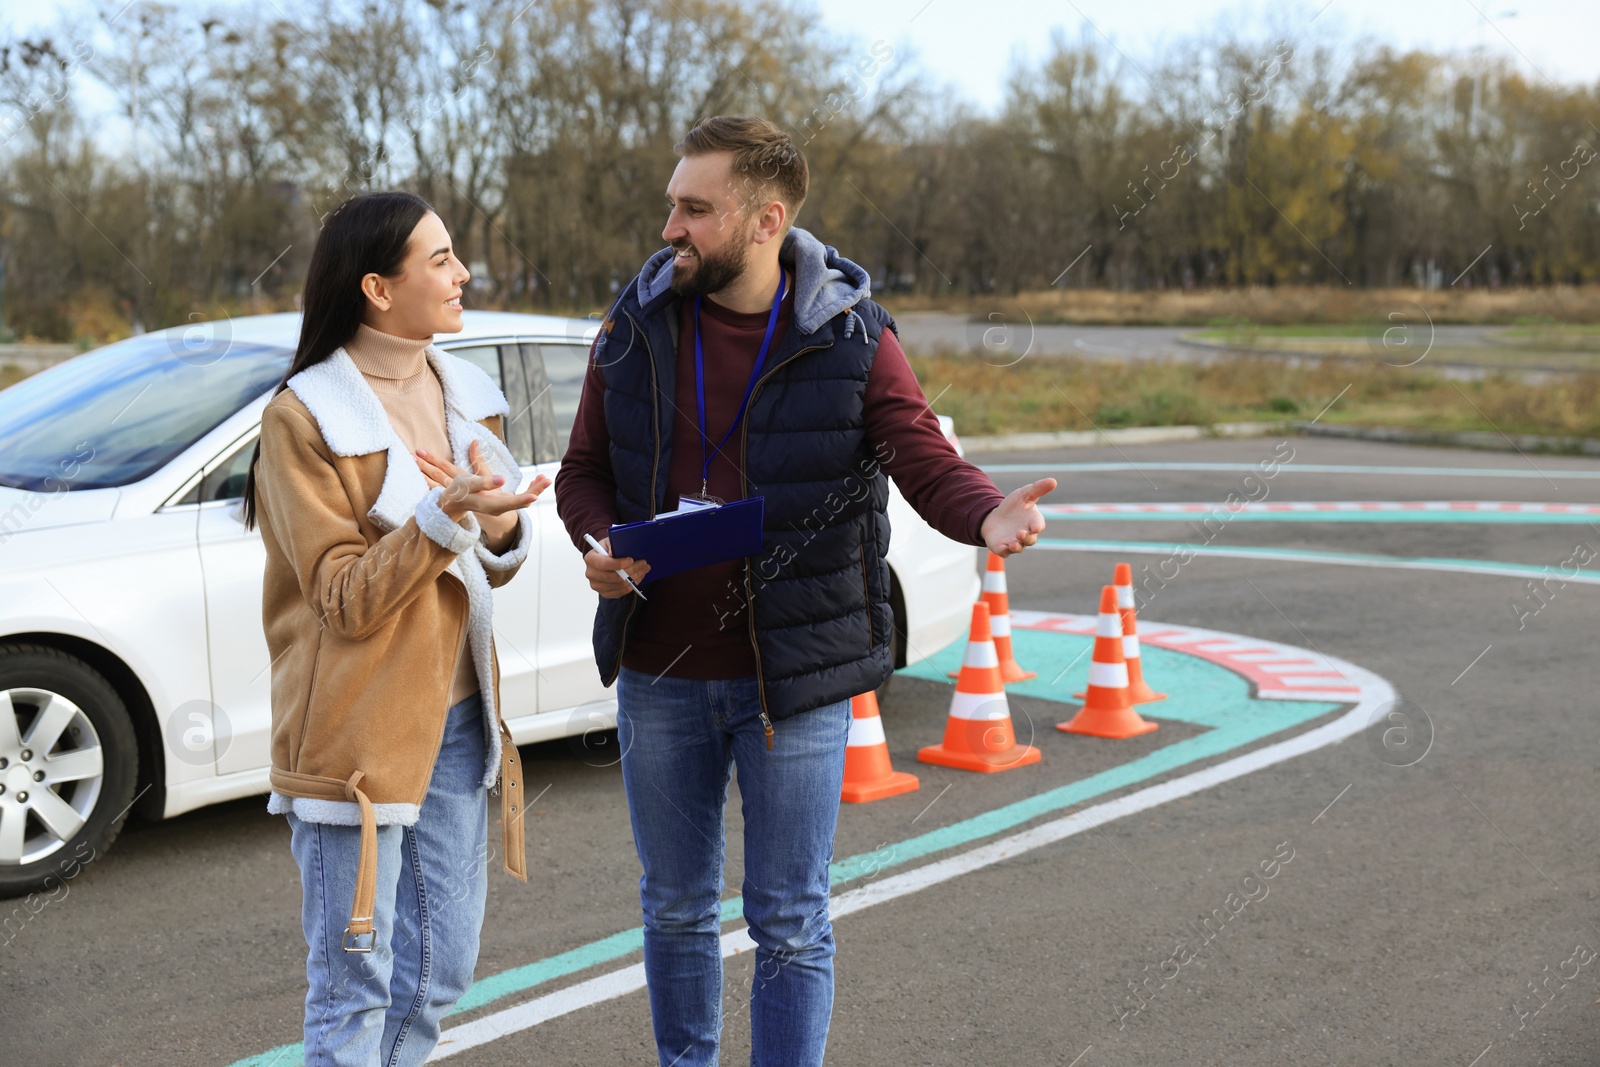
<point>765,159</point>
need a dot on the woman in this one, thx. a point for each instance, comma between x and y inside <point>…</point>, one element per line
<point>383,488</point>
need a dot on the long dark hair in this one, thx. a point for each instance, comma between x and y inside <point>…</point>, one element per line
<point>366,234</point>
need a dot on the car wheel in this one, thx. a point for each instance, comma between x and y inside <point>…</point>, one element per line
<point>68,764</point>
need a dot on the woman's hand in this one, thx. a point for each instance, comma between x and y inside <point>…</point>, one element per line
<point>478,491</point>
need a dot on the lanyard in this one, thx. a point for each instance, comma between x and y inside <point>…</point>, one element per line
<point>700,383</point>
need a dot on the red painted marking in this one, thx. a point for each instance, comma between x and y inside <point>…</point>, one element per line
<point>1286,676</point>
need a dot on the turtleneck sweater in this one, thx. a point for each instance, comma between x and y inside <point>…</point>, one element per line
<point>398,371</point>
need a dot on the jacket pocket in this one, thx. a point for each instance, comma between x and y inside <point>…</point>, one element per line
<point>297,757</point>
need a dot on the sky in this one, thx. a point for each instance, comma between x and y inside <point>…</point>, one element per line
<point>974,44</point>
<point>971,46</point>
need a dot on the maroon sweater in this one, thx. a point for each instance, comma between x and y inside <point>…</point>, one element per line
<point>685,629</point>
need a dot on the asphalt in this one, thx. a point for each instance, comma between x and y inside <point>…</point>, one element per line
<point>1006,334</point>
<point>1424,907</point>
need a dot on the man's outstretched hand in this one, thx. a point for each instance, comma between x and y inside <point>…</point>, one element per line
<point>1016,523</point>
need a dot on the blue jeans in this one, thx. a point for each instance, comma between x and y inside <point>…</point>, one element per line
<point>679,740</point>
<point>384,1007</point>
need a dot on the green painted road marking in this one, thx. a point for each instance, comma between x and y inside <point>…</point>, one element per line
<point>1348,559</point>
<point>1203,693</point>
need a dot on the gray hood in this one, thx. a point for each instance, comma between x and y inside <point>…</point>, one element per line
<point>825,283</point>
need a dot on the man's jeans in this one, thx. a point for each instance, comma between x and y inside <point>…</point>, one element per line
<point>384,1007</point>
<point>678,739</point>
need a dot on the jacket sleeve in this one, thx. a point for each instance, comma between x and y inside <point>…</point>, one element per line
<point>355,588</point>
<point>586,488</point>
<point>501,568</point>
<point>504,567</point>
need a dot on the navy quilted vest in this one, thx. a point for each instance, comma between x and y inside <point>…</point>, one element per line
<point>820,589</point>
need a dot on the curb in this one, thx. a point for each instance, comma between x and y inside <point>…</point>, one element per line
<point>1484,369</point>
<point>1130,435</point>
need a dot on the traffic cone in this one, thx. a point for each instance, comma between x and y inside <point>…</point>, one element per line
<point>994,595</point>
<point>1107,711</point>
<point>978,734</point>
<point>1138,691</point>
<point>867,773</point>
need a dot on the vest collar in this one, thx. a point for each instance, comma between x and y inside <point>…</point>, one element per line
<point>353,423</point>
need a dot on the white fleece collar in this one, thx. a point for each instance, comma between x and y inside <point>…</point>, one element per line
<point>354,423</point>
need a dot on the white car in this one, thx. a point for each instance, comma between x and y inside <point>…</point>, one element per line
<point>133,668</point>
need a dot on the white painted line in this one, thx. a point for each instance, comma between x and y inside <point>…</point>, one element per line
<point>1374,693</point>
<point>1294,555</point>
<point>610,986</point>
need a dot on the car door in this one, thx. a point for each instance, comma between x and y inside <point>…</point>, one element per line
<point>231,563</point>
<point>516,604</point>
<point>566,603</point>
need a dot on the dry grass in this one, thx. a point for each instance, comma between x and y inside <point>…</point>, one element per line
<point>1073,394</point>
<point>1282,305</point>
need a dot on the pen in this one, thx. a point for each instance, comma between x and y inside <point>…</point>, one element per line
<point>622,573</point>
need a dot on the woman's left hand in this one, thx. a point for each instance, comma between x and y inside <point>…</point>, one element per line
<point>441,472</point>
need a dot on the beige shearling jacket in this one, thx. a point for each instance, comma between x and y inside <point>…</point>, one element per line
<point>368,591</point>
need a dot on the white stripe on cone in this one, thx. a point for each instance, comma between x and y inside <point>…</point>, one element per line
<point>864,732</point>
<point>994,581</point>
<point>981,654</point>
<point>1108,625</point>
<point>1124,596</point>
<point>1109,675</point>
<point>1130,646</point>
<point>983,706</point>
<point>1000,625</point>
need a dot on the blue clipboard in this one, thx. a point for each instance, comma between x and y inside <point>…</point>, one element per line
<point>686,539</point>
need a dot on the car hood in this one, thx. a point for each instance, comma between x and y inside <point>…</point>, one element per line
<point>22,511</point>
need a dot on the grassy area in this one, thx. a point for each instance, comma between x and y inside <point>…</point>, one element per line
<point>1277,306</point>
<point>1543,344</point>
<point>1072,394</point>
<point>1551,336</point>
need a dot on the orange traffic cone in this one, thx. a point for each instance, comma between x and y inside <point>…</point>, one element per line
<point>994,595</point>
<point>1107,711</point>
<point>1138,691</point>
<point>978,734</point>
<point>867,773</point>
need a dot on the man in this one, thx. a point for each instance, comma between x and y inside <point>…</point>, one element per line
<point>747,360</point>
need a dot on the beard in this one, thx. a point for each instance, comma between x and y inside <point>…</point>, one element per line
<point>715,272</point>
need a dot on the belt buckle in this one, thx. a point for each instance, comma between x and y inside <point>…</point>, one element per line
<point>344,941</point>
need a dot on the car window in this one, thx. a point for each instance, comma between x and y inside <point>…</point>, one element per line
<point>565,366</point>
<point>506,367</point>
<point>226,480</point>
<point>486,358</point>
<point>518,424</point>
<point>536,412</point>
<point>124,411</point>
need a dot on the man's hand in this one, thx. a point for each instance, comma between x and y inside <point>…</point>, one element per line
<point>1016,523</point>
<point>602,571</point>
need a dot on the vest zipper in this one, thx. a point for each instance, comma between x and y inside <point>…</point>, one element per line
<point>744,489</point>
<point>655,466</point>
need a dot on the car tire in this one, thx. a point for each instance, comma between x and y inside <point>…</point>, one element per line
<point>897,650</point>
<point>50,696</point>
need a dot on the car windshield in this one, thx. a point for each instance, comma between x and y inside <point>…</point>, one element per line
<point>119,414</point>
